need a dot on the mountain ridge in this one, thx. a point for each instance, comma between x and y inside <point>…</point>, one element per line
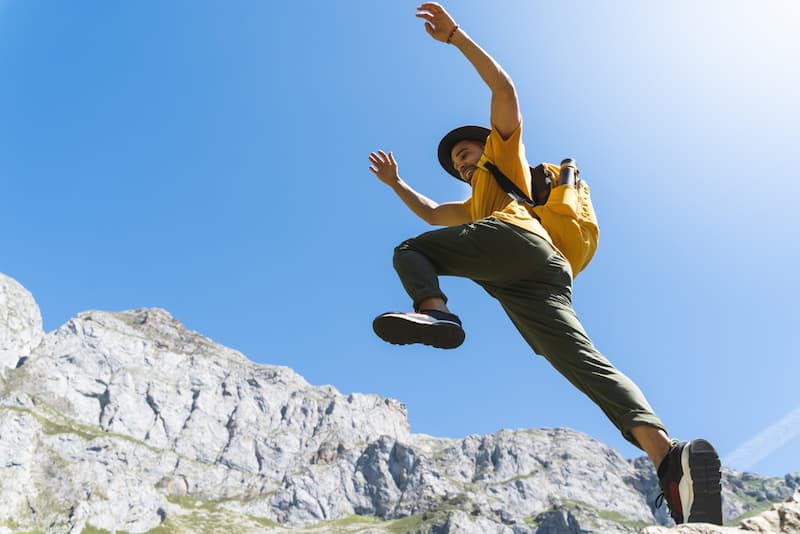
<point>129,421</point>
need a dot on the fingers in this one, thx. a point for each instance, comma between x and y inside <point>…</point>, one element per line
<point>382,159</point>
<point>432,7</point>
<point>429,10</point>
<point>438,23</point>
<point>377,165</point>
<point>384,167</point>
<point>379,158</point>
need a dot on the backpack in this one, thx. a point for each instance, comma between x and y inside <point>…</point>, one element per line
<point>563,205</point>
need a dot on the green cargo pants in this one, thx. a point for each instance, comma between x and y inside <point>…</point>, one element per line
<point>533,284</point>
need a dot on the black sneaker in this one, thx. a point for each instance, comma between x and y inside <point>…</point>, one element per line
<point>689,478</point>
<point>429,327</point>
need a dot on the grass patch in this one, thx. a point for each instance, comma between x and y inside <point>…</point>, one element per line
<point>569,505</point>
<point>60,424</point>
<point>533,521</point>
<point>201,520</point>
<point>411,523</point>
<point>616,517</point>
<point>346,524</point>
<point>356,523</point>
<point>51,428</point>
<point>166,527</point>
<point>13,526</point>
<point>192,503</point>
<point>747,515</point>
<point>208,516</point>
<point>516,478</point>
<point>416,522</point>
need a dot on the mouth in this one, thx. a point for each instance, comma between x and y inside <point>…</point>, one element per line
<point>468,172</point>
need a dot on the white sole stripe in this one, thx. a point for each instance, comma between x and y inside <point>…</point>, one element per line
<point>686,485</point>
<point>420,318</point>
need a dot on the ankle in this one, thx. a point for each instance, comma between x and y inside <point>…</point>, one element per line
<point>433,303</point>
<point>653,441</point>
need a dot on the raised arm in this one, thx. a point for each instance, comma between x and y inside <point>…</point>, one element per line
<point>384,167</point>
<point>505,114</point>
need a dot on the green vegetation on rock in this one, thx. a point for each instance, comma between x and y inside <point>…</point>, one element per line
<point>616,517</point>
<point>59,424</point>
<point>353,523</point>
<point>752,513</point>
<point>208,516</point>
<point>579,508</point>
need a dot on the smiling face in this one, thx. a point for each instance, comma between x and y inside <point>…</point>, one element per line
<point>465,156</point>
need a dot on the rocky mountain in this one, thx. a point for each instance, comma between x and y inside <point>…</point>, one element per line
<point>130,422</point>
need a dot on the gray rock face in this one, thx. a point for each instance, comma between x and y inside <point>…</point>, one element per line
<point>128,421</point>
<point>780,518</point>
<point>20,323</point>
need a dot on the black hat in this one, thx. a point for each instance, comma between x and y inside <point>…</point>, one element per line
<point>462,133</point>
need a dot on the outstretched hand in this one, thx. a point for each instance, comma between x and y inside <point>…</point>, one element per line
<point>384,167</point>
<point>440,24</point>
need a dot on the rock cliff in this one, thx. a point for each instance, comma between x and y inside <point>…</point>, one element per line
<point>130,422</point>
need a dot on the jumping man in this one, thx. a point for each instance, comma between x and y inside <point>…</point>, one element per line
<point>501,245</point>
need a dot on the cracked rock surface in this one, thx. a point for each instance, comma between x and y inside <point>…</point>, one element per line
<point>20,323</point>
<point>129,421</point>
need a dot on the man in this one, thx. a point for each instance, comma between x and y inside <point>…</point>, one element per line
<point>501,245</point>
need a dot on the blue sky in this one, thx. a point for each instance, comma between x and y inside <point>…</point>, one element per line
<point>210,158</point>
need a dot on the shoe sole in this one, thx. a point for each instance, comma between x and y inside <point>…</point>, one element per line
<point>402,329</point>
<point>701,468</point>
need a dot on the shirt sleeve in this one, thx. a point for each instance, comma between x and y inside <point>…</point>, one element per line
<point>509,156</point>
<point>468,207</point>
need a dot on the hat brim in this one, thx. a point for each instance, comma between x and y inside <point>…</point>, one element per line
<point>462,133</point>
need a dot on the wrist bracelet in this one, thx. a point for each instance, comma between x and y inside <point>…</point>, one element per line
<point>452,33</point>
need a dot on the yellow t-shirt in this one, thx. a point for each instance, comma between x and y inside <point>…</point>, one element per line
<point>488,198</point>
<point>575,241</point>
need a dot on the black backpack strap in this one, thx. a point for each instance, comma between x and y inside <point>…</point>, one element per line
<point>541,182</point>
<point>507,185</point>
